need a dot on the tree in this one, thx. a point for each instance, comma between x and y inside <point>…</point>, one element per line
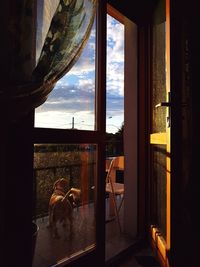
<point>115,143</point>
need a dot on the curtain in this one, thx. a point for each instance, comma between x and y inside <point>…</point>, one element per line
<point>68,33</point>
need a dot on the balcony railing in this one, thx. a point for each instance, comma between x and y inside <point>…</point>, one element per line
<point>45,177</point>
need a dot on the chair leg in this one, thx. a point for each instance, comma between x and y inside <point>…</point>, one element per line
<point>116,211</point>
<point>120,205</point>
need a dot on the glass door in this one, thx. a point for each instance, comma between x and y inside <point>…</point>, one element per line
<point>160,129</point>
<point>69,159</point>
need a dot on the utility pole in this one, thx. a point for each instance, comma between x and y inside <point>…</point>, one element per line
<point>72,122</point>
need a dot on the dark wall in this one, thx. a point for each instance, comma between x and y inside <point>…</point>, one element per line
<point>15,156</point>
<point>16,146</point>
<point>16,200</point>
<point>185,128</point>
<point>137,11</point>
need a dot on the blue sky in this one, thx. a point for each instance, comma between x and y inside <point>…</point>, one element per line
<point>74,94</point>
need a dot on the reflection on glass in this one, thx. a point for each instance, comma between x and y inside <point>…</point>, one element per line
<point>159,187</point>
<point>71,104</point>
<point>116,239</point>
<point>115,75</point>
<point>64,201</point>
<point>159,68</point>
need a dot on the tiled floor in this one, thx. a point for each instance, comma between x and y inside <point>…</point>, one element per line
<point>50,251</point>
<point>141,258</point>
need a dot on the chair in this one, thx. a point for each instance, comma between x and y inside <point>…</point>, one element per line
<point>113,188</point>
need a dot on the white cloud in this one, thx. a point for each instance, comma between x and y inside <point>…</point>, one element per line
<point>64,120</point>
<point>61,83</point>
<point>82,68</point>
<point>115,40</point>
<point>74,96</point>
<point>115,79</point>
<point>115,56</point>
<point>86,84</point>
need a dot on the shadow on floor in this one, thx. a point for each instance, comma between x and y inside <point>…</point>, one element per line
<point>140,257</point>
<point>50,250</point>
<point>147,261</point>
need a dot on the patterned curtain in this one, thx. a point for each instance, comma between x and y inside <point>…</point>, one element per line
<point>67,36</point>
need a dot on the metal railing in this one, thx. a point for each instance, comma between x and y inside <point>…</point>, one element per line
<point>44,178</point>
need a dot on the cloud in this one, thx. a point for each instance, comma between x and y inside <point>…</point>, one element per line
<point>86,62</point>
<point>74,94</point>
<point>115,56</point>
<point>115,75</point>
<point>115,78</point>
<point>115,105</point>
<point>115,40</point>
<point>71,98</point>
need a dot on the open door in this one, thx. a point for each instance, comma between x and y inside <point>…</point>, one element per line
<point>160,130</point>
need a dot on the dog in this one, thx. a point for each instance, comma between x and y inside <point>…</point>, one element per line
<point>61,205</point>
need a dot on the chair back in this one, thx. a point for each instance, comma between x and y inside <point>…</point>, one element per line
<point>117,163</point>
<point>115,189</point>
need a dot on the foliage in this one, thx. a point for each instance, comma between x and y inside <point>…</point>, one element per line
<point>52,162</point>
<point>114,143</point>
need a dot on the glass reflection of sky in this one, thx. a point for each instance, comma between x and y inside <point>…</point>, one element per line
<point>72,101</point>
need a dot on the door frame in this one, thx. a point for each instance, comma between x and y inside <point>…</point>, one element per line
<point>160,245</point>
<point>96,255</point>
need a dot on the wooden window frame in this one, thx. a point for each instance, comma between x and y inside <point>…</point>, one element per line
<point>56,136</point>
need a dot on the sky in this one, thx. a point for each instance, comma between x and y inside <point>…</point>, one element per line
<point>71,104</point>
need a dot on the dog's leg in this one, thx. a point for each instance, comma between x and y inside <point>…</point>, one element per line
<point>64,223</point>
<point>54,223</point>
<point>71,228</point>
<point>49,224</point>
<point>65,228</point>
<point>55,230</point>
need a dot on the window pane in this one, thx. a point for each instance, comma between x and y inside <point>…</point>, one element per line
<point>115,76</point>
<point>159,70</point>
<point>159,188</point>
<point>71,104</point>
<point>64,208</point>
<point>117,237</point>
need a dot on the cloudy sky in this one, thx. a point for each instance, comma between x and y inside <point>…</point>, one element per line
<point>71,103</point>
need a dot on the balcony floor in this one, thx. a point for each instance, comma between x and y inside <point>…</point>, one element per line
<point>50,250</point>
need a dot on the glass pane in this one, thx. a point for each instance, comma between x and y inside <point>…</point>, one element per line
<point>45,12</point>
<point>117,237</point>
<point>115,76</point>
<point>65,175</point>
<point>159,68</point>
<point>159,188</point>
<point>71,104</point>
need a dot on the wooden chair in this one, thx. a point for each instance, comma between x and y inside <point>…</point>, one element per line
<point>113,188</point>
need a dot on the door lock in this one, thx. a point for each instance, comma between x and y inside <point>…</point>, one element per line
<point>168,105</point>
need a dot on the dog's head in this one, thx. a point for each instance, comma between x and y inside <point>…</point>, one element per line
<point>61,184</point>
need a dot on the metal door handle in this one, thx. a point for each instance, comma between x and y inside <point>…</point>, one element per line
<point>163,104</point>
<point>168,105</point>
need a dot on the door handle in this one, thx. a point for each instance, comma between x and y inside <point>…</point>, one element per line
<point>163,104</point>
<point>167,105</point>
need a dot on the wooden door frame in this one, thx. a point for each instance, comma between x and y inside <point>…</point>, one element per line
<point>144,125</point>
<point>42,135</point>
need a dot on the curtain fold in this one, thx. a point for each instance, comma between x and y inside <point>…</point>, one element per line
<point>67,36</point>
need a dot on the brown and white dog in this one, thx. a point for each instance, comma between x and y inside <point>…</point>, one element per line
<point>61,205</point>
